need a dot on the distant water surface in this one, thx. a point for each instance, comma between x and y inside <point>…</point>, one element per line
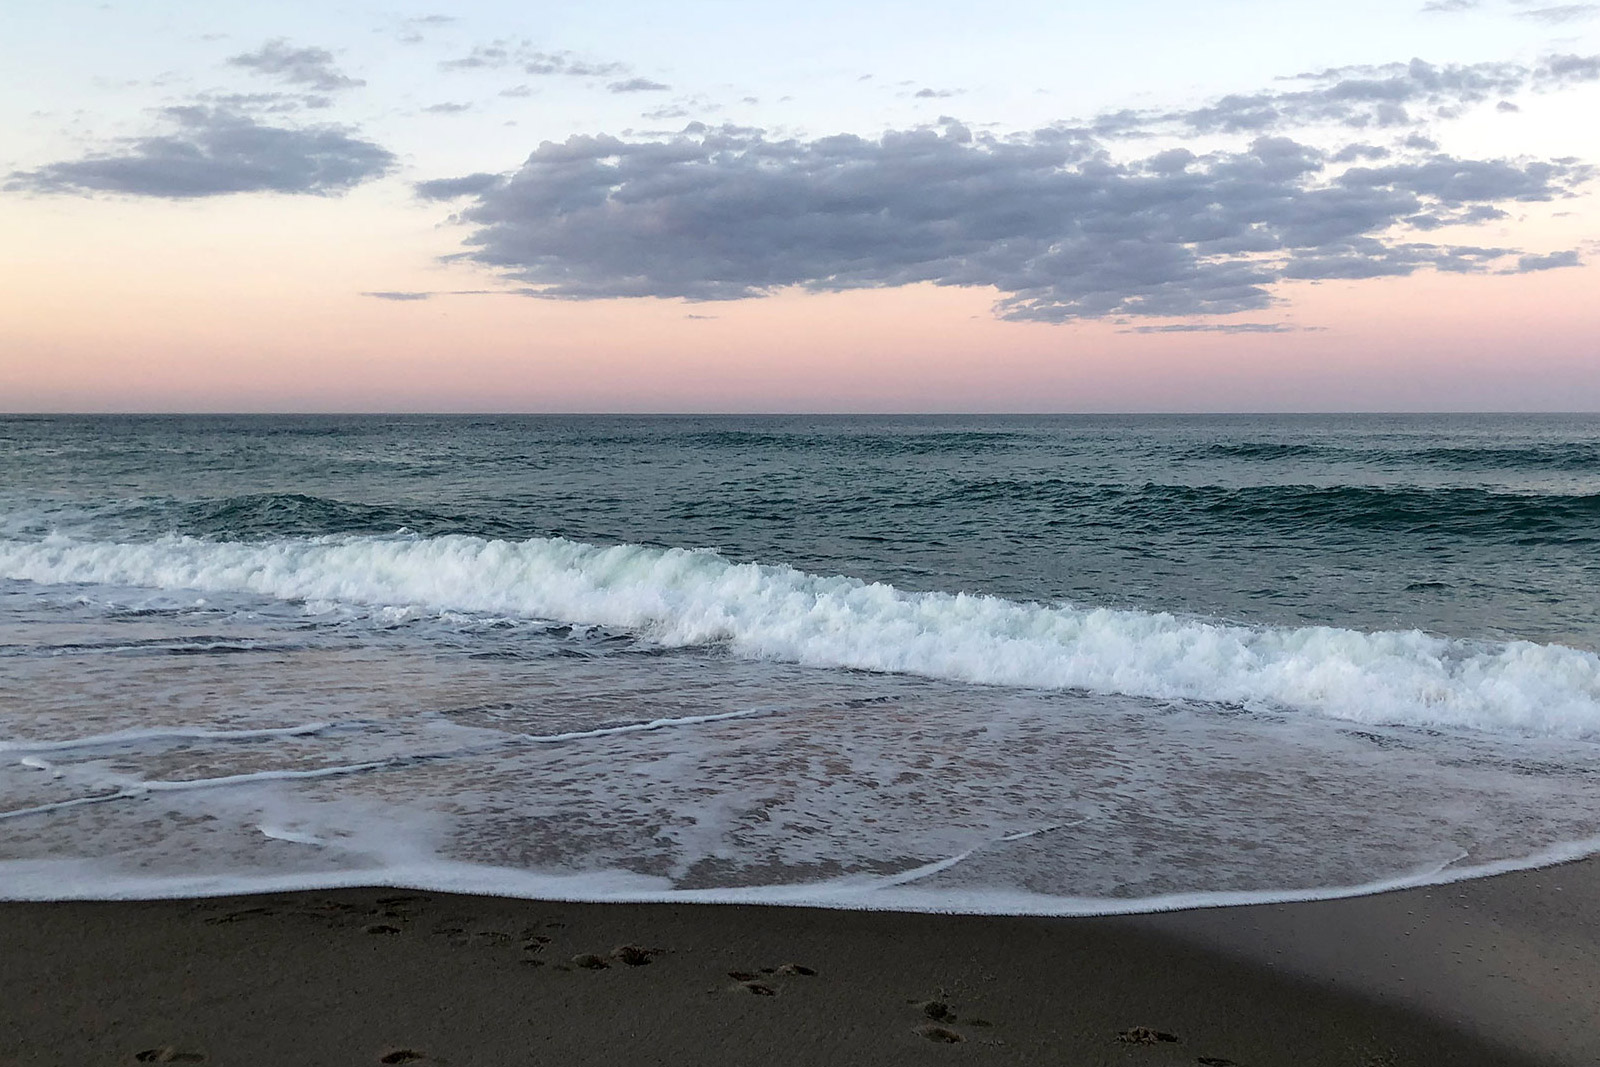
<point>988,664</point>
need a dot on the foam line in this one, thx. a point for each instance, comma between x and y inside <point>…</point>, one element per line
<point>43,880</point>
<point>127,737</point>
<point>646,727</point>
<point>136,790</point>
<point>63,805</point>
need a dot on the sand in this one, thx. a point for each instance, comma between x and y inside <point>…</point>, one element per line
<point>1497,971</point>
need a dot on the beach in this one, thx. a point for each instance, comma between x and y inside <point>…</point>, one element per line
<point>780,739</point>
<point>1499,970</point>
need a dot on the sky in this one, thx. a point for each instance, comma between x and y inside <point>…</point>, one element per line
<point>706,206</point>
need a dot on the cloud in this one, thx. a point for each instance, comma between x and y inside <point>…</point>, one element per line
<point>451,188</point>
<point>1554,14</point>
<point>936,94</point>
<point>1224,327</point>
<point>1049,219</point>
<point>214,152</point>
<point>262,103</point>
<point>411,296</point>
<point>447,108</point>
<point>312,67</point>
<point>1567,70</point>
<point>1386,96</point>
<point>1560,13</point>
<point>506,53</point>
<point>1553,261</point>
<point>490,56</point>
<point>567,63</point>
<point>414,30</point>
<point>638,85</point>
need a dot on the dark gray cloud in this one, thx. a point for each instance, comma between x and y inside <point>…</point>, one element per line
<point>638,85</point>
<point>936,94</point>
<point>214,152</point>
<point>398,296</point>
<point>1049,219</point>
<point>312,67</point>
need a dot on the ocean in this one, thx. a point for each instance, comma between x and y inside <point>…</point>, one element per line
<point>1055,665</point>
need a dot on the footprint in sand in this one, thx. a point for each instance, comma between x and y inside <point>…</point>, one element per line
<point>239,916</point>
<point>754,982</point>
<point>168,1054</point>
<point>1144,1035</point>
<point>635,955</point>
<point>941,1034</point>
<point>402,1055</point>
<point>942,1015</point>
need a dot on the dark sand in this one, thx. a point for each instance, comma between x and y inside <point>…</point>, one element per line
<point>1498,971</point>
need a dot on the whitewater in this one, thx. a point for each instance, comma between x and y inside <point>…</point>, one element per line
<point>1051,666</point>
<point>679,597</point>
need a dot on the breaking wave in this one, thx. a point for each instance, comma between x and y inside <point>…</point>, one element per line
<point>682,597</point>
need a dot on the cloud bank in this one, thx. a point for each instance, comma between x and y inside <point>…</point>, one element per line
<point>1049,218</point>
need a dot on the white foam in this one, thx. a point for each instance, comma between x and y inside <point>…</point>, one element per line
<point>689,597</point>
<point>78,879</point>
<point>284,833</point>
<point>135,737</point>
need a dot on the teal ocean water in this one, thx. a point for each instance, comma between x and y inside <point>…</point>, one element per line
<point>997,664</point>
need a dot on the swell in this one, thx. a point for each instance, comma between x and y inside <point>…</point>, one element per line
<point>1480,514</point>
<point>679,598</point>
<point>1296,510</point>
<point>1554,456</point>
<point>861,443</point>
<point>254,516</point>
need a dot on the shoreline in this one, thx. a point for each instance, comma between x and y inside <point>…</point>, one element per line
<point>1497,970</point>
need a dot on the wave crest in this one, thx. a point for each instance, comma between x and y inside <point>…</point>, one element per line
<point>685,597</point>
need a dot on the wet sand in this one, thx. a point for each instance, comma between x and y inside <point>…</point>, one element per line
<point>1497,971</point>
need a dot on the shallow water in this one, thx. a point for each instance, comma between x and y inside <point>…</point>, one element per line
<point>987,664</point>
